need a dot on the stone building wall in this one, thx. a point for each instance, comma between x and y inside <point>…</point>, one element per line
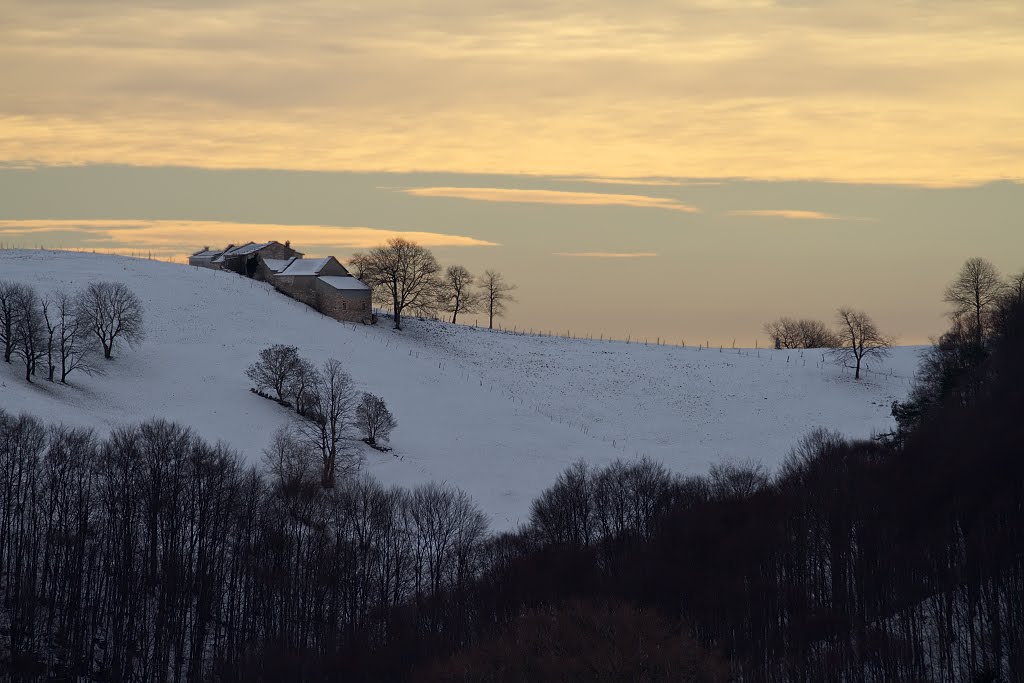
<point>340,304</point>
<point>203,262</point>
<point>249,264</point>
<point>352,305</point>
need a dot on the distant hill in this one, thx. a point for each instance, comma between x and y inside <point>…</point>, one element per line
<point>497,415</point>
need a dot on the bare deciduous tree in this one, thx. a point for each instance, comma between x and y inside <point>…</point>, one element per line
<point>329,416</point>
<point>9,294</point>
<point>72,338</point>
<point>737,480</point>
<point>977,290</point>
<point>1015,288</point>
<point>401,273</point>
<point>859,338</point>
<point>457,294</point>
<point>111,311</point>
<point>275,369</point>
<point>374,419</point>
<point>289,460</point>
<point>28,329</point>
<point>300,384</point>
<point>52,324</point>
<point>787,333</point>
<point>496,293</point>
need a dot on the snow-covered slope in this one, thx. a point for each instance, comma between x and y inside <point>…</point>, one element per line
<point>495,414</point>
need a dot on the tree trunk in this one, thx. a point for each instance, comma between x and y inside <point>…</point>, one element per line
<point>398,314</point>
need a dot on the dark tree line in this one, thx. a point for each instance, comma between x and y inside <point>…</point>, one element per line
<point>57,331</point>
<point>154,555</point>
<point>953,368</point>
<point>868,561</point>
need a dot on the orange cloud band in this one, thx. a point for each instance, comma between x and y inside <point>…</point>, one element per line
<point>607,254</point>
<point>173,238</point>
<point>510,195</point>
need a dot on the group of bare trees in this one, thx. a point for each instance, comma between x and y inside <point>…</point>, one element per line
<point>152,554</point>
<point>856,338</point>
<point>58,331</point>
<point>407,277</point>
<point>980,297</point>
<point>983,306</point>
<point>803,333</point>
<point>328,405</point>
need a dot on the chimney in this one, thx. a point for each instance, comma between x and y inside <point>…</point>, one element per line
<point>288,244</point>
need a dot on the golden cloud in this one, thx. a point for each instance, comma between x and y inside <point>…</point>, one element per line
<point>607,254</point>
<point>498,194</point>
<point>796,214</point>
<point>848,91</point>
<point>177,238</point>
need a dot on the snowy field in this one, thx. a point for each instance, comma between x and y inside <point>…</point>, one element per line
<point>496,414</point>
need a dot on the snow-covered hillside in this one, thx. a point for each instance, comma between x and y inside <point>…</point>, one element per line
<point>495,414</point>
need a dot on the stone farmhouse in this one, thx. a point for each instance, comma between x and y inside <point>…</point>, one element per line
<point>243,258</point>
<point>322,283</point>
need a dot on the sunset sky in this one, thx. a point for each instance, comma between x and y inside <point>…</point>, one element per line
<point>655,168</point>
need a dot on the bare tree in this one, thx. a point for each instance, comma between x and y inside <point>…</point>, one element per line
<point>787,333</point>
<point>275,368</point>
<point>859,338</point>
<point>52,325</point>
<point>111,311</point>
<point>977,290</point>
<point>496,293</point>
<point>72,347</point>
<point>290,461</point>
<point>737,480</point>
<point>401,273</point>
<point>28,329</point>
<point>457,294</point>
<point>300,384</point>
<point>329,416</point>
<point>1015,288</point>
<point>374,419</point>
<point>9,295</point>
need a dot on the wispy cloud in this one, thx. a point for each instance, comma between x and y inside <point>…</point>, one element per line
<point>796,214</point>
<point>842,90</point>
<point>174,238</point>
<point>510,195</point>
<point>607,254</point>
<point>650,182</point>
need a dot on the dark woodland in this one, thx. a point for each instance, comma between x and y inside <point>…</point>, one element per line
<point>150,554</point>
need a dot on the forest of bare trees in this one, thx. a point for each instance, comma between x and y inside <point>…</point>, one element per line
<point>151,554</point>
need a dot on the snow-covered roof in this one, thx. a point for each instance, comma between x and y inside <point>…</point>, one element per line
<point>207,253</point>
<point>276,265</point>
<point>248,248</point>
<point>306,266</point>
<point>230,251</point>
<point>344,282</point>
